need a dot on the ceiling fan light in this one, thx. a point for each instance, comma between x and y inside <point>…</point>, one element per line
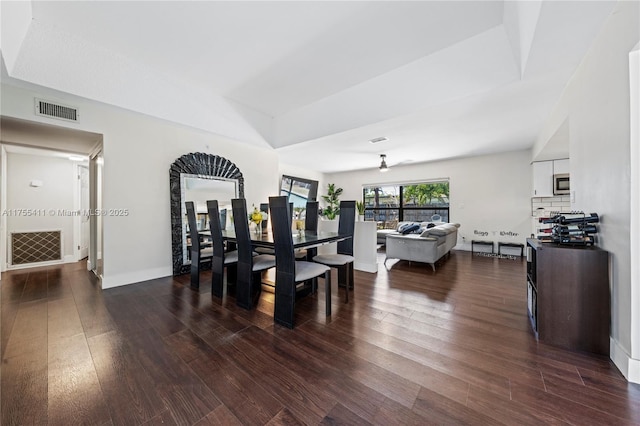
<point>383,163</point>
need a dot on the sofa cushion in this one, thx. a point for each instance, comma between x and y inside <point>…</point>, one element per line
<point>440,230</point>
<point>427,233</point>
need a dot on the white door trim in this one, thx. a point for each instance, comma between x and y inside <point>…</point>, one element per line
<point>3,208</point>
<point>77,203</point>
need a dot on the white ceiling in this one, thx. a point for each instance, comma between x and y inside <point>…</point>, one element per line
<point>317,80</point>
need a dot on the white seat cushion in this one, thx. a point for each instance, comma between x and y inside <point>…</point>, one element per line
<point>231,257</point>
<point>307,270</point>
<point>264,250</point>
<point>333,259</point>
<point>206,252</point>
<point>263,261</point>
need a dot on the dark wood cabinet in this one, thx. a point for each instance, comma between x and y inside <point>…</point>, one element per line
<point>568,295</point>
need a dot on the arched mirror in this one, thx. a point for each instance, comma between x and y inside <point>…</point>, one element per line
<point>198,177</point>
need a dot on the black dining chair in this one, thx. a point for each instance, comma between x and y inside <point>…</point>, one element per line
<point>311,216</point>
<point>310,224</point>
<point>250,267</point>
<point>343,259</point>
<point>289,272</point>
<point>199,253</point>
<point>264,207</point>
<point>220,259</point>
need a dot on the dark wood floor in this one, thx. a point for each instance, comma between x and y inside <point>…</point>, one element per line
<point>414,347</point>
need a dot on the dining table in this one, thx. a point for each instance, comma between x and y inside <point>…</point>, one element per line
<point>285,284</point>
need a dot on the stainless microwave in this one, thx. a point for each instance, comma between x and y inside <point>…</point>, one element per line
<point>561,184</point>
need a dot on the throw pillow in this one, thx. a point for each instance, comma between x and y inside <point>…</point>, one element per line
<point>403,226</point>
<point>411,228</point>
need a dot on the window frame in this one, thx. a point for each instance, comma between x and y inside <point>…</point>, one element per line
<point>401,208</point>
<point>313,187</point>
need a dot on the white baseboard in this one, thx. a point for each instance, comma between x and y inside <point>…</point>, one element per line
<point>67,259</point>
<point>366,267</point>
<point>629,367</point>
<point>35,265</point>
<point>117,280</point>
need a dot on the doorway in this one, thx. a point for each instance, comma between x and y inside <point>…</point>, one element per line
<point>63,143</point>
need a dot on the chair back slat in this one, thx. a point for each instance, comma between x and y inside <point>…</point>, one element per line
<point>215,226</point>
<point>311,216</point>
<point>193,226</point>
<point>241,225</point>
<point>346,226</point>
<point>282,238</point>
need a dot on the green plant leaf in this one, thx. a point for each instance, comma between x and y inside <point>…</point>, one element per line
<point>332,199</point>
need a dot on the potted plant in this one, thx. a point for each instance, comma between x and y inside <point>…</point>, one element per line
<point>332,199</point>
<point>360,208</point>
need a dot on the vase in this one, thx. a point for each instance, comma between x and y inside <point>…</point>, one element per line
<point>258,227</point>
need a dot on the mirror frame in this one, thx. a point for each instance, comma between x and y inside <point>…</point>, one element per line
<point>195,163</point>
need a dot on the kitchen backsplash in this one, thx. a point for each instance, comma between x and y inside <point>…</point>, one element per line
<point>543,206</point>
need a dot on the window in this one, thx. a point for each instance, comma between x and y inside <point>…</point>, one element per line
<point>298,190</point>
<point>419,202</point>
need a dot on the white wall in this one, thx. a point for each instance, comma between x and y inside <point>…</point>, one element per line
<point>56,193</point>
<point>634,70</point>
<point>488,193</point>
<point>597,104</point>
<point>138,151</point>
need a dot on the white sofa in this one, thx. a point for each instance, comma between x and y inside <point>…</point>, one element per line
<point>427,247</point>
<point>381,234</point>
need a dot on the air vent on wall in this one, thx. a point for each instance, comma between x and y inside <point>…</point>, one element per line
<point>380,139</point>
<point>34,247</point>
<point>53,110</point>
